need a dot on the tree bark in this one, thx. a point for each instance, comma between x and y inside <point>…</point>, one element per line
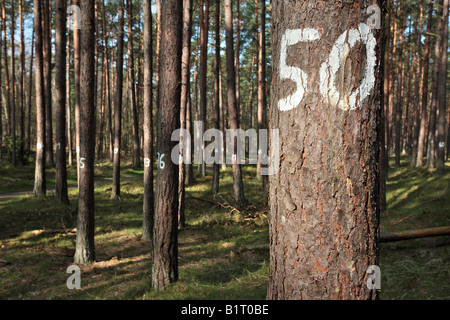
<point>132,88</point>
<point>324,200</point>
<point>76,67</point>
<point>60,102</point>
<point>85,248</point>
<point>185,79</point>
<point>108,84</point>
<point>204,26</point>
<point>262,99</point>
<point>22,85</point>
<point>148,220</point>
<point>115,194</point>
<point>216,166</point>
<point>424,104</point>
<point>443,61</point>
<point>399,101</point>
<point>238,186</point>
<point>165,240</point>
<point>68,105</point>
<point>30,84</point>
<point>48,83</point>
<point>7,83</point>
<point>13,87</point>
<point>39,177</point>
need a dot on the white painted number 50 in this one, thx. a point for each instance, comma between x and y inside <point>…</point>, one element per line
<point>339,53</point>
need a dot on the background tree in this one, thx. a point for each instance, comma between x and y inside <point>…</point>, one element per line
<point>165,239</point>
<point>115,194</point>
<point>238,186</point>
<point>60,102</point>
<point>39,177</point>
<point>85,248</point>
<point>147,230</point>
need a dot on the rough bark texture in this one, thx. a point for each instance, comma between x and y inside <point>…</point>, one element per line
<point>185,79</point>
<point>324,199</point>
<point>13,87</point>
<point>443,61</point>
<point>85,248</point>
<point>238,185</point>
<point>423,118</point>
<point>76,77</point>
<point>60,102</point>
<point>132,88</point>
<point>216,167</point>
<point>165,236</point>
<point>148,221</point>
<point>48,83</point>
<point>204,26</point>
<point>115,194</point>
<point>39,178</point>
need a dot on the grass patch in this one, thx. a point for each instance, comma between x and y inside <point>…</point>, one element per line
<point>222,254</point>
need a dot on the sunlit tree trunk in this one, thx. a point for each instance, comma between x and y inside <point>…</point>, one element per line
<point>324,200</point>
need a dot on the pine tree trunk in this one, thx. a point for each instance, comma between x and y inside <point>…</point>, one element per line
<point>216,166</point>
<point>185,79</point>
<point>399,101</point>
<point>7,83</point>
<point>165,241</point>
<point>76,67</point>
<point>148,219</point>
<point>132,88</point>
<point>262,100</point>
<point>39,178</point>
<point>424,104</point>
<point>204,26</point>
<point>48,84</point>
<point>108,84</point>
<point>238,186</point>
<point>60,102</point>
<point>68,105</point>
<point>115,194</point>
<point>22,85</point>
<point>85,248</point>
<point>324,200</point>
<point>30,84</point>
<point>443,61</point>
<point>13,87</point>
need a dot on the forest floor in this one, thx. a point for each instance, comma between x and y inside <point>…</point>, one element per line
<point>223,254</point>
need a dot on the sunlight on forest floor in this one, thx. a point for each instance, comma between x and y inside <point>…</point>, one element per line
<point>222,254</point>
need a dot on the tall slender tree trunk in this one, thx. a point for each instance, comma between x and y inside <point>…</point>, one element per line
<point>417,89</point>
<point>60,102</point>
<point>76,63</point>
<point>424,100</point>
<point>30,91</point>
<point>399,101</point>
<point>7,83</point>
<point>148,220</point>
<point>68,105</point>
<point>165,242</point>
<point>323,237</point>
<point>85,248</point>
<point>108,84</point>
<point>23,82</point>
<point>115,194</point>
<point>132,88</point>
<point>216,166</point>
<point>13,86</point>
<point>185,79</point>
<point>431,149</point>
<point>441,119</point>
<point>204,26</point>
<point>238,185</point>
<point>39,177</point>
<point>48,83</point>
<point>262,100</point>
